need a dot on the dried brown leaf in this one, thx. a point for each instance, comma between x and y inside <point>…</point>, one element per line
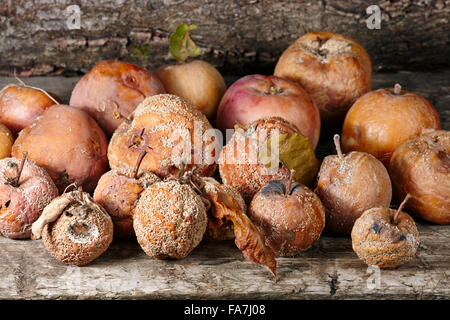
<point>247,237</point>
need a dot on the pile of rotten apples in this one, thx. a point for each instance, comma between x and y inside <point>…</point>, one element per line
<point>123,117</point>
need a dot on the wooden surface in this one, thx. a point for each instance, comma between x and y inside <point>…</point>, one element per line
<point>329,270</point>
<point>236,35</point>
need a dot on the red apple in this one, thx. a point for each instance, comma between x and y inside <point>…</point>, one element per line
<point>25,190</point>
<point>255,97</point>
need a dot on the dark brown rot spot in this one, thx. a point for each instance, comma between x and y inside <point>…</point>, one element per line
<point>375,228</point>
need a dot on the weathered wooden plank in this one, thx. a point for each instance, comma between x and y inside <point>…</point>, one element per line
<point>218,270</point>
<point>237,36</point>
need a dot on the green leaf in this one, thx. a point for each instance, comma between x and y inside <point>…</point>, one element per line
<point>181,44</point>
<point>295,151</point>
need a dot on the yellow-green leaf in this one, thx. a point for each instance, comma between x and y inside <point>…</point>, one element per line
<point>181,44</point>
<point>295,151</point>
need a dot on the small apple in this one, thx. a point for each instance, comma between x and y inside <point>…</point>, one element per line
<point>334,69</point>
<point>385,237</point>
<point>6,141</point>
<point>255,97</point>
<point>112,89</point>
<point>20,105</point>
<point>25,190</point>
<point>197,81</point>
<point>383,119</point>
<point>118,191</point>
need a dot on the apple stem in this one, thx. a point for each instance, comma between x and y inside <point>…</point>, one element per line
<point>400,208</point>
<point>138,163</point>
<point>289,182</point>
<point>397,88</point>
<point>22,164</point>
<point>337,143</point>
<point>117,115</point>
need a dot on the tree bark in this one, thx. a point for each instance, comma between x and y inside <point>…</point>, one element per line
<point>237,36</point>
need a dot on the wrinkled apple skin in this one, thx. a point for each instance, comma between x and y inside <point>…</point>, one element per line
<point>21,105</point>
<point>21,205</point>
<point>112,86</point>
<point>334,74</point>
<point>67,143</point>
<point>381,120</point>
<point>349,185</point>
<point>118,192</point>
<point>256,97</point>
<point>160,119</point>
<point>6,141</point>
<point>379,242</point>
<point>198,82</point>
<point>421,168</point>
<point>290,223</point>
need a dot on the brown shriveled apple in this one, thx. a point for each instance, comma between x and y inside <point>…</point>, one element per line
<point>255,97</point>
<point>169,219</point>
<point>112,89</point>
<point>68,144</point>
<point>176,136</point>
<point>197,81</point>
<point>118,191</point>
<point>289,215</point>
<point>20,105</point>
<point>6,142</point>
<point>384,237</point>
<point>334,69</point>
<point>421,168</point>
<point>349,184</point>
<point>240,162</point>
<point>383,119</point>
<point>25,190</point>
<point>74,228</point>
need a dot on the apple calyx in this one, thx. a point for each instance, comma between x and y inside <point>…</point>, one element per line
<point>400,208</point>
<point>181,45</point>
<point>274,90</point>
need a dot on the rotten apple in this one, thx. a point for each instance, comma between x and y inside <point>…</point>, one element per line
<point>421,168</point>
<point>334,69</point>
<point>6,141</point>
<point>68,143</point>
<point>25,190</point>
<point>112,89</point>
<point>383,119</point>
<point>20,105</point>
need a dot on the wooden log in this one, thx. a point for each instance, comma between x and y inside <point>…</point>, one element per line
<point>36,37</point>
